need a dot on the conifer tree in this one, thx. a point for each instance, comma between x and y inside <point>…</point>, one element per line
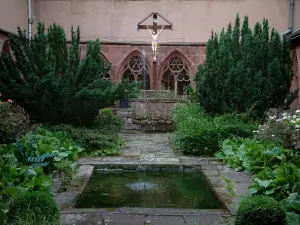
<point>50,79</point>
<point>245,70</point>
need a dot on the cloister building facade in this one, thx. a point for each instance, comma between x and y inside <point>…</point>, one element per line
<point>182,49</point>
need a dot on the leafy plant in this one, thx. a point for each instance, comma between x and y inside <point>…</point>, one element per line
<point>40,204</point>
<point>278,182</point>
<point>275,169</point>
<point>16,178</point>
<point>50,79</point>
<point>261,210</point>
<point>39,142</point>
<point>13,121</point>
<point>46,161</point>
<point>245,70</point>
<point>292,206</point>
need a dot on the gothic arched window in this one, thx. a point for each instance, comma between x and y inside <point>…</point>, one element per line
<point>6,47</point>
<point>136,69</point>
<point>106,63</point>
<point>175,75</point>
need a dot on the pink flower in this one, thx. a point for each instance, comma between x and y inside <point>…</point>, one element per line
<point>10,101</point>
<point>0,102</point>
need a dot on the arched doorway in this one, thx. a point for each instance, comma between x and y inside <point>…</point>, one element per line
<point>136,69</point>
<point>176,74</point>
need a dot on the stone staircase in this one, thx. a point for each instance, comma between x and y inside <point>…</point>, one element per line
<point>126,115</point>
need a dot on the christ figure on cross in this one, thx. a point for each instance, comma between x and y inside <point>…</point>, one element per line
<point>154,40</point>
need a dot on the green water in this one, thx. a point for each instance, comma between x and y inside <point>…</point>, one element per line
<point>148,190</point>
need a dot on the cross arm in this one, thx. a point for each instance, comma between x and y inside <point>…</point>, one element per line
<point>144,27</point>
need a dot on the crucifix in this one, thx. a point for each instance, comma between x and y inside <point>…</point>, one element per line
<point>154,33</point>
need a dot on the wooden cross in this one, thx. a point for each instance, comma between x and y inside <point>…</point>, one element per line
<point>154,25</point>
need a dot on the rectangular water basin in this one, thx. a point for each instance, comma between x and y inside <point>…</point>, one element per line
<point>148,190</point>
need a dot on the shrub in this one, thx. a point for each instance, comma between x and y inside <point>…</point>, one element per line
<point>261,210</point>
<point>107,121</point>
<point>127,89</point>
<point>95,141</point>
<point>51,80</point>
<point>13,121</point>
<point>245,70</point>
<point>40,204</point>
<point>200,134</point>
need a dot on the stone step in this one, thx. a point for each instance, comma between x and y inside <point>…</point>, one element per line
<point>127,120</point>
<point>132,127</point>
<point>125,114</point>
<point>123,110</point>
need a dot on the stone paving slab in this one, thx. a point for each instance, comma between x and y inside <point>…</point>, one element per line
<point>82,219</point>
<point>203,220</point>
<point>123,219</point>
<point>166,220</point>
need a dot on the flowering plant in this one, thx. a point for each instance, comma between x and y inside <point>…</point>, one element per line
<point>283,129</point>
<point>13,121</point>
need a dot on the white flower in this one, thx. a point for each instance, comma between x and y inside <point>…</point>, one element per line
<point>298,111</point>
<point>297,126</point>
<point>294,116</point>
<point>273,135</point>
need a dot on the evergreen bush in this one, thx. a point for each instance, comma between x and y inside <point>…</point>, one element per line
<point>262,210</point>
<point>198,133</point>
<point>51,80</point>
<point>245,70</point>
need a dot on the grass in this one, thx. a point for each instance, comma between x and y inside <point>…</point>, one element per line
<point>229,186</point>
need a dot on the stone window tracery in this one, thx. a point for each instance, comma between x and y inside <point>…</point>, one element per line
<point>136,69</point>
<point>176,75</point>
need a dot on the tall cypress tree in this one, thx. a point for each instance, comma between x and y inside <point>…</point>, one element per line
<point>245,70</point>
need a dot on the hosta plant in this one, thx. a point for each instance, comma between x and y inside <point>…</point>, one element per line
<point>292,206</point>
<point>274,169</point>
<point>41,141</point>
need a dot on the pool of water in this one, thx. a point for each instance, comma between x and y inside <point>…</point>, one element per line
<point>148,190</point>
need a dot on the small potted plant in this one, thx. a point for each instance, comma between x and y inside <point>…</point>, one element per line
<point>125,91</point>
